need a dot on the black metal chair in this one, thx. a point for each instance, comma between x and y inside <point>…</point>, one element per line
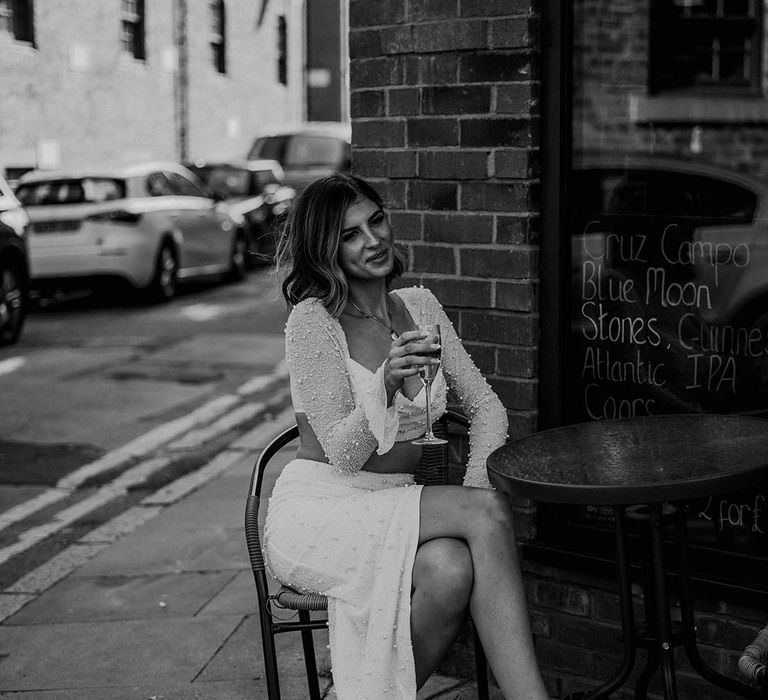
<point>432,470</point>
<point>752,663</point>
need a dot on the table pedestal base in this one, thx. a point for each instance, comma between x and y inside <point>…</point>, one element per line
<point>660,636</point>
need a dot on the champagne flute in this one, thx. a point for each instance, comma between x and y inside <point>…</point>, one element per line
<point>427,373</point>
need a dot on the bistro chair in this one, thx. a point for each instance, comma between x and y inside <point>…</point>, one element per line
<point>432,470</point>
<point>752,663</point>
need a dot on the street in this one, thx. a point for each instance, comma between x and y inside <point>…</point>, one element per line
<point>105,399</point>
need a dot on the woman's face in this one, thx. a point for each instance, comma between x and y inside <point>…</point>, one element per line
<point>366,250</point>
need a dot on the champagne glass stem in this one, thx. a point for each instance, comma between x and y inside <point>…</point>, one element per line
<point>428,399</point>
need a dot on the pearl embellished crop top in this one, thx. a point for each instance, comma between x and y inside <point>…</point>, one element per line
<point>346,403</point>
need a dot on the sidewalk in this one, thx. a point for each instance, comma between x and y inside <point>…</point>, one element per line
<point>165,608</point>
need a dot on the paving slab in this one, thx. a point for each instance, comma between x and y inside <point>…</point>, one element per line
<point>175,546</point>
<point>240,657</point>
<point>292,687</point>
<point>99,598</point>
<point>238,596</point>
<point>132,652</point>
<point>222,501</point>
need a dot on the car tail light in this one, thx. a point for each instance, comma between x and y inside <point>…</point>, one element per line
<point>116,215</point>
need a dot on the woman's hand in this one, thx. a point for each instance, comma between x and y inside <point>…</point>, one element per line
<point>406,355</point>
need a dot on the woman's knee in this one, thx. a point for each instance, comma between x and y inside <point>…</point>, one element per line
<point>493,513</point>
<point>444,568</point>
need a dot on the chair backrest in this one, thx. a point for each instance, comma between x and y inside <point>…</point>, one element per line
<point>432,470</point>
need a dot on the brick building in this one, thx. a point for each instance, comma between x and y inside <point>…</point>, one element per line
<point>467,115</point>
<point>92,82</point>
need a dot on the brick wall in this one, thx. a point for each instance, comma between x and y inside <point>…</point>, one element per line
<point>445,112</point>
<point>577,622</point>
<point>78,88</point>
<point>445,124</point>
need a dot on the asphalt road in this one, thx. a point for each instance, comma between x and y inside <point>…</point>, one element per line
<point>105,398</point>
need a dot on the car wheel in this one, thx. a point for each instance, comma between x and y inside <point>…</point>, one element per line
<point>163,285</point>
<point>238,257</point>
<point>13,303</point>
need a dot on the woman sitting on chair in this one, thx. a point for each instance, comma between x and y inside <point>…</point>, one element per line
<point>401,564</point>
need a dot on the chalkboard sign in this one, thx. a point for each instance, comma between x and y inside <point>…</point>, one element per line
<point>669,283</point>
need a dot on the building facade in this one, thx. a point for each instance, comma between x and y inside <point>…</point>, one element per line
<point>89,82</point>
<point>525,149</point>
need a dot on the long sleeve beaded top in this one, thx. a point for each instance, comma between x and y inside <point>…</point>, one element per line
<point>346,404</point>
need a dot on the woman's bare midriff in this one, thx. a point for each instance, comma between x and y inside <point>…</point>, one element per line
<point>404,457</point>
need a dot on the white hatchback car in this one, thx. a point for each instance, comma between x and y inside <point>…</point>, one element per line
<point>150,224</point>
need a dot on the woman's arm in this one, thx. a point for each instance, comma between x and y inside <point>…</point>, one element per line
<point>318,369</point>
<point>488,418</point>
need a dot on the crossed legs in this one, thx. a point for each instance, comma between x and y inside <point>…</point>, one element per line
<point>467,558</point>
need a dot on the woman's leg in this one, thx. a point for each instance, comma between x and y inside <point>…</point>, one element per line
<point>442,584</point>
<point>483,519</point>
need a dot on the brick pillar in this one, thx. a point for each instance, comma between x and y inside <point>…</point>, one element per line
<point>444,106</point>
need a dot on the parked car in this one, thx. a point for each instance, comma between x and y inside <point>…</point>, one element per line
<point>150,224</point>
<point>14,265</point>
<point>306,152</point>
<point>253,190</point>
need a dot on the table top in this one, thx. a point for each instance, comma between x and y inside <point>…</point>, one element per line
<point>648,459</point>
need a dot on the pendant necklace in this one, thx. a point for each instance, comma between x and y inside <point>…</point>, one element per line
<point>392,332</point>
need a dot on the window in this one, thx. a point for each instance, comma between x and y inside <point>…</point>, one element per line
<point>263,178</point>
<point>219,35</point>
<point>282,51</point>
<point>269,148</point>
<point>17,19</point>
<point>314,150</point>
<point>706,44</point>
<point>85,190</point>
<point>184,187</point>
<point>132,37</point>
<point>158,185</point>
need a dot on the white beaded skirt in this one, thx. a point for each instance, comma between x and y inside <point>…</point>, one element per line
<point>353,538</point>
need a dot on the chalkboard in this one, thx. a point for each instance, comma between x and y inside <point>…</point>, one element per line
<point>669,281</point>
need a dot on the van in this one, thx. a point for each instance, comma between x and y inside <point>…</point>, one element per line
<point>306,152</point>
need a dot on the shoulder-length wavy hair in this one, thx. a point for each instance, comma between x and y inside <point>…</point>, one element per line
<point>308,250</point>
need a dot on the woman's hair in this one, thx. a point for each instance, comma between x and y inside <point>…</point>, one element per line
<point>308,250</point>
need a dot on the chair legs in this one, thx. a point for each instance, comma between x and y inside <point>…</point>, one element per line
<point>270,656</point>
<point>480,668</point>
<point>309,658</point>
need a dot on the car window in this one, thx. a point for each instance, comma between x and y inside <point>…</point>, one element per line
<point>71,191</point>
<point>184,186</point>
<point>268,148</point>
<point>263,178</point>
<point>305,150</point>
<point>158,185</point>
<point>728,202</point>
<point>661,193</point>
<point>227,181</point>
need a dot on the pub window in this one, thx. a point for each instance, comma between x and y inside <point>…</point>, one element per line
<point>132,38</point>
<point>17,19</point>
<point>282,51</point>
<point>706,45</point>
<point>219,35</point>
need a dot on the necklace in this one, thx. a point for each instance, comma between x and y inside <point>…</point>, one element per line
<point>392,332</point>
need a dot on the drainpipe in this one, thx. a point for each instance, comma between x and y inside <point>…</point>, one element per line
<point>182,80</point>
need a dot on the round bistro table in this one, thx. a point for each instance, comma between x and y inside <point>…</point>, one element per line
<point>647,461</point>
